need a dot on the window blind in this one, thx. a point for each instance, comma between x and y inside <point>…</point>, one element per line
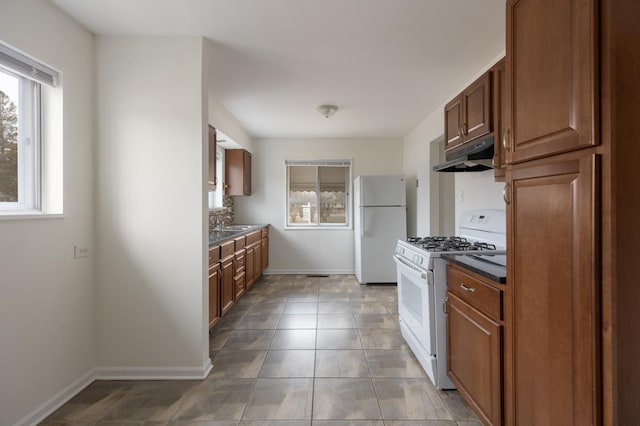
<point>325,163</point>
<point>25,66</point>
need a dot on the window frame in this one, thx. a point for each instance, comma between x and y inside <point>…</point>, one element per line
<point>35,99</point>
<point>29,167</point>
<point>346,163</point>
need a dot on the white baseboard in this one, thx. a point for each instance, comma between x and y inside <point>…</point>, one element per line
<point>309,272</point>
<point>113,373</point>
<point>153,373</point>
<point>57,401</point>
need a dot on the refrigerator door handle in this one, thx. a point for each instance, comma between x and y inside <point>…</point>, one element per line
<point>361,222</point>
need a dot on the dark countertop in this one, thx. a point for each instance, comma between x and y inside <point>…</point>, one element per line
<point>217,236</point>
<point>492,271</point>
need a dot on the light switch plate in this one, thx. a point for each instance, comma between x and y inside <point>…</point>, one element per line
<point>80,251</point>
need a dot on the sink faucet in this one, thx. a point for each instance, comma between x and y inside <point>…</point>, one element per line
<point>217,221</point>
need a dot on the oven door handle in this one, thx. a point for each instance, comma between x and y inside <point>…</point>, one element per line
<point>414,270</point>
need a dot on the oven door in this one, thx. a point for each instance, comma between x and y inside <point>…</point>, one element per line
<point>416,307</point>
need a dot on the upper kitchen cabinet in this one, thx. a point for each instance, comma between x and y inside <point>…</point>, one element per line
<point>212,159</point>
<point>237,172</point>
<point>499,104</point>
<point>551,78</point>
<point>468,115</point>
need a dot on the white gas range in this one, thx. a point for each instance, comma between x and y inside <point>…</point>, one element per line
<point>422,285</point>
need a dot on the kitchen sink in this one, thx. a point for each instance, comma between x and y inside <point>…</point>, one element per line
<point>235,228</point>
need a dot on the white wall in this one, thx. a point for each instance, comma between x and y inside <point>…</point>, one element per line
<point>151,206</point>
<point>47,321</point>
<point>219,116</point>
<point>308,251</point>
<point>432,201</point>
<point>479,188</point>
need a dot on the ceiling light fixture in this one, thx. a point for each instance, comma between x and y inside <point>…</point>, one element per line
<point>327,110</point>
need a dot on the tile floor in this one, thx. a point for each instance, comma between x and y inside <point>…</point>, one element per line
<point>295,350</point>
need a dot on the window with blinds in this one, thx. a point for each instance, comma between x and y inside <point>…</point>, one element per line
<point>21,80</point>
<point>318,193</point>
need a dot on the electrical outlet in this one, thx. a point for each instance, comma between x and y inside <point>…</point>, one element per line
<point>79,251</point>
<point>461,196</point>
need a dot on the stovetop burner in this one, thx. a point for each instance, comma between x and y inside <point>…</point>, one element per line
<point>440,243</point>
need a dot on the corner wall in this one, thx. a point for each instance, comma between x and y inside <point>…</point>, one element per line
<point>47,311</point>
<point>309,251</point>
<point>151,207</point>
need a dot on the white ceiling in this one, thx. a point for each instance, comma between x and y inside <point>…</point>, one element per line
<point>386,64</point>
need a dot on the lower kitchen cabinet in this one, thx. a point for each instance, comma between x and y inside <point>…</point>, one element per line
<point>214,286</point>
<point>227,290</point>
<point>234,266</point>
<point>265,253</point>
<point>214,295</point>
<point>474,343</point>
<point>250,266</point>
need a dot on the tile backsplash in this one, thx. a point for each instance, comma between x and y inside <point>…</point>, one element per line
<point>223,216</point>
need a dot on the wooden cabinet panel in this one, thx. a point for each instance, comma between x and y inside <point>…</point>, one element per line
<point>214,255</point>
<point>476,100</point>
<point>227,290</point>
<point>212,181</point>
<point>551,77</point>
<point>257,269</point>
<point>250,266</point>
<point>474,353</point>
<point>214,295</point>
<point>239,284</point>
<point>237,172</point>
<point>265,254</point>
<point>552,342</point>
<point>499,105</point>
<point>453,136</point>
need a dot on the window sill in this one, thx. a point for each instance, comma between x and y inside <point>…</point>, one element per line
<point>27,215</point>
<point>318,228</point>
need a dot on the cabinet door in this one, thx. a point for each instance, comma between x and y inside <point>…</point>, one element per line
<point>551,359</point>
<point>227,290</point>
<point>476,103</point>
<point>265,253</point>
<point>237,172</point>
<point>551,77</point>
<point>212,181</point>
<point>257,271</point>
<point>250,266</point>
<point>239,284</point>
<point>214,295</point>
<point>499,104</point>
<point>453,135</point>
<point>246,178</point>
<point>474,352</point>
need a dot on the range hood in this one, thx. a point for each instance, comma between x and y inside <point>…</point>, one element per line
<point>473,157</point>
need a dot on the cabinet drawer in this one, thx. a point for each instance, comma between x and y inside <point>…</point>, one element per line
<point>265,232</point>
<point>481,296</point>
<point>214,255</point>
<point>227,249</point>
<point>239,262</point>
<point>254,237</point>
<point>240,243</point>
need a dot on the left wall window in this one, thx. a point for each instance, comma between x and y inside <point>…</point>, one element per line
<point>21,78</point>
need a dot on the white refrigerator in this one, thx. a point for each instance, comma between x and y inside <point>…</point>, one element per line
<point>380,219</point>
